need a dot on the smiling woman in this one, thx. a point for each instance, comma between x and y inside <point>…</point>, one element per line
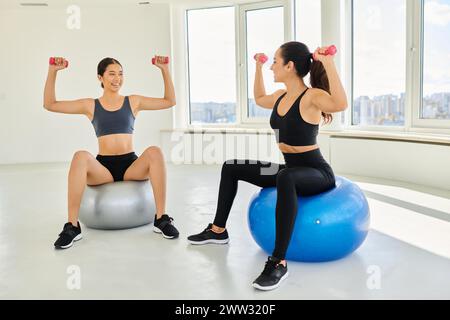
<point>113,117</point>
<point>109,70</point>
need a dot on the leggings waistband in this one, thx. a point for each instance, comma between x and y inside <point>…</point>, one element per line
<point>311,158</point>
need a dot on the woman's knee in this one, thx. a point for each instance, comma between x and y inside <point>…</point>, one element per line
<point>154,153</point>
<point>81,157</point>
<point>229,167</point>
<point>284,178</point>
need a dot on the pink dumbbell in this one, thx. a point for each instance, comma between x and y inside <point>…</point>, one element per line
<point>262,58</point>
<point>52,61</point>
<point>331,51</point>
<point>166,60</point>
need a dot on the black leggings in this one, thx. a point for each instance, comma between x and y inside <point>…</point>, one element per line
<point>303,174</point>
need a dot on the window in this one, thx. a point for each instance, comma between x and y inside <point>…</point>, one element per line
<point>396,59</point>
<point>212,65</point>
<point>379,62</point>
<point>436,60</point>
<point>308,23</point>
<point>264,32</point>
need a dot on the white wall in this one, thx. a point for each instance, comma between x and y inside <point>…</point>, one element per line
<point>418,163</point>
<point>29,36</point>
<point>213,146</point>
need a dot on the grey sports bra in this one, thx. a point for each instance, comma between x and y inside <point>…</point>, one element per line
<point>113,122</point>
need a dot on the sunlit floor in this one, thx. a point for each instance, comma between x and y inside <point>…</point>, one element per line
<point>405,256</point>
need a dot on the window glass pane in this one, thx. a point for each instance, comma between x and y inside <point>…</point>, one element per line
<point>308,23</point>
<point>436,66</point>
<point>212,71</point>
<point>379,62</point>
<point>265,33</point>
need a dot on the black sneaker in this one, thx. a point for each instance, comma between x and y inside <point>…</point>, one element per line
<point>271,277</point>
<point>209,236</point>
<point>68,236</point>
<point>165,226</point>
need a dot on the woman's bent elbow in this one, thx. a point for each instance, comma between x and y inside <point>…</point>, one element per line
<point>343,107</point>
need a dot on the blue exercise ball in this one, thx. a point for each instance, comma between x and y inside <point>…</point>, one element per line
<point>329,226</point>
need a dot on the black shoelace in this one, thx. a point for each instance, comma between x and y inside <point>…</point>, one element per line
<point>165,221</point>
<point>269,267</point>
<point>68,230</point>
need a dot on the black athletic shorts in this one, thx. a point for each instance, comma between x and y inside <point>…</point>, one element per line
<point>117,165</point>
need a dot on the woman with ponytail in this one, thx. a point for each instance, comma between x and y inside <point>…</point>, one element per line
<point>296,115</point>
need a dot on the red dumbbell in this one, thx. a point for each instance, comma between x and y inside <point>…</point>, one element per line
<point>52,61</point>
<point>262,58</point>
<point>331,51</point>
<point>166,60</point>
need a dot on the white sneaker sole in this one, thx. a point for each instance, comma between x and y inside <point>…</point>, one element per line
<point>214,241</point>
<point>257,286</point>
<point>78,237</point>
<point>157,230</point>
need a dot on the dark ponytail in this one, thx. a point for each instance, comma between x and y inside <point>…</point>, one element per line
<point>304,63</point>
<point>103,65</point>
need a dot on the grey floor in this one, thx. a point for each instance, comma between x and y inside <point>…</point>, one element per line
<point>406,255</point>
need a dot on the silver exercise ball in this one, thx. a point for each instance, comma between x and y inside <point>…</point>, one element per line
<point>118,205</point>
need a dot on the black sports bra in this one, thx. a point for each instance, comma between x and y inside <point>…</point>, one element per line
<point>291,129</point>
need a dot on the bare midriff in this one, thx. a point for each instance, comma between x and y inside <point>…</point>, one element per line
<point>115,144</point>
<point>284,148</point>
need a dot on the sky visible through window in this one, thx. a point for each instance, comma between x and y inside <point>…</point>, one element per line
<point>265,33</point>
<point>212,65</point>
<point>436,66</point>
<point>379,62</point>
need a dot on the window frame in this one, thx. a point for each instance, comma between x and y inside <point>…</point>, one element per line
<point>413,59</point>
<point>413,76</point>
<point>243,67</point>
